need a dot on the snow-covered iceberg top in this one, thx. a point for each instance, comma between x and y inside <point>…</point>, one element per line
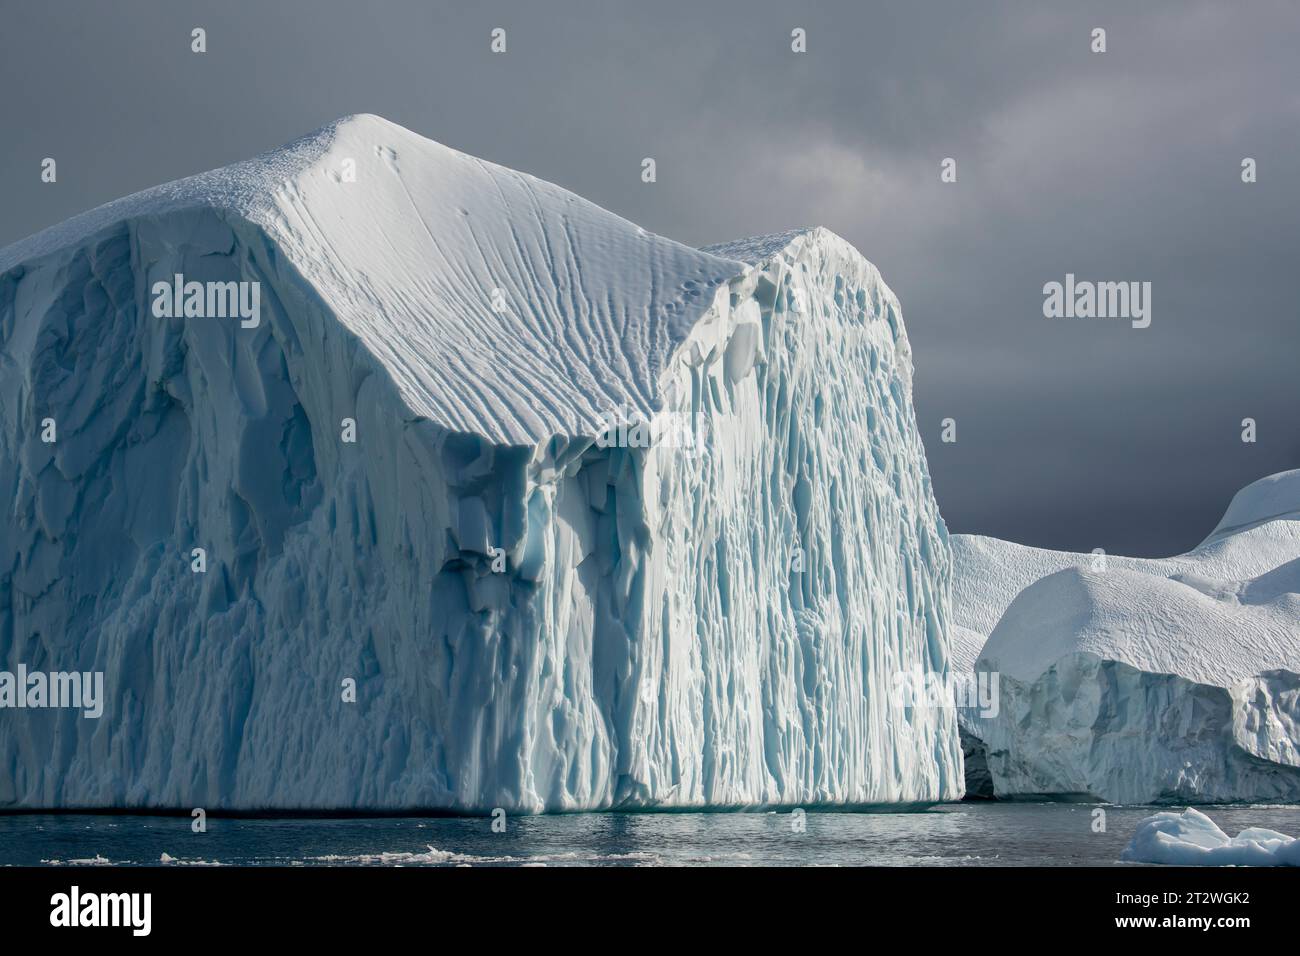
<point>1191,838</point>
<point>1273,498</point>
<point>1209,631</point>
<point>1225,610</point>
<point>479,288</point>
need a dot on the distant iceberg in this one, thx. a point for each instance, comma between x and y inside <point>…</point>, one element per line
<point>1142,680</point>
<point>412,535</point>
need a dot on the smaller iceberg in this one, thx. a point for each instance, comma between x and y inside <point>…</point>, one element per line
<point>1191,838</point>
<point>1138,680</point>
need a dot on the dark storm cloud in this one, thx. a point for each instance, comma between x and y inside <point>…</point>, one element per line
<point>1115,166</point>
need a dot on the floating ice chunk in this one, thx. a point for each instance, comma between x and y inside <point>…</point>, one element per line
<point>1191,838</point>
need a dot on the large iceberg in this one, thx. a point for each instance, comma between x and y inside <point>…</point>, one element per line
<point>582,517</point>
<point>1141,680</point>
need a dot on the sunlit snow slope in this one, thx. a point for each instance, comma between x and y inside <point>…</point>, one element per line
<point>1142,680</point>
<point>536,617</point>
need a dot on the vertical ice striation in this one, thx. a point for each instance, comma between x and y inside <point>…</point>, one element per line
<point>539,611</point>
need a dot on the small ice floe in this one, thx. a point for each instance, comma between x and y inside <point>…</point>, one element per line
<point>390,858</point>
<point>1191,838</point>
<point>168,860</point>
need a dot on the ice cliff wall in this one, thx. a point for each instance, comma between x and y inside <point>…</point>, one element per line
<point>539,612</point>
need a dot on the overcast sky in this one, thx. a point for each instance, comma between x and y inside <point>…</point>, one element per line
<point>1124,165</point>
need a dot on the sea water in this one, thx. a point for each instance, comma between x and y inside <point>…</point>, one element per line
<point>958,834</point>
